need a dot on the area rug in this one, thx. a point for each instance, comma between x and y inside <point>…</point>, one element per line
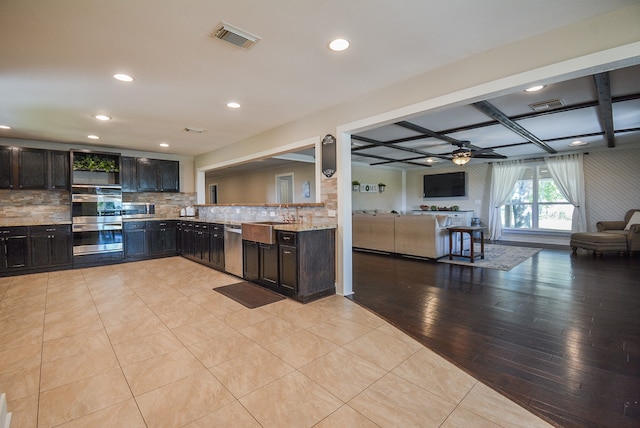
<point>249,295</point>
<point>502,257</point>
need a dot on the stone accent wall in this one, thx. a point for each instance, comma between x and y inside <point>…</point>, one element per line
<point>40,205</point>
<point>329,192</point>
<point>43,206</point>
<point>167,204</point>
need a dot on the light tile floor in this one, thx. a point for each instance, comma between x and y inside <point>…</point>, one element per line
<point>150,344</point>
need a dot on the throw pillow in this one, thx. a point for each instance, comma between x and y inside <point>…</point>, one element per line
<point>635,219</point>
<point>442,220</point>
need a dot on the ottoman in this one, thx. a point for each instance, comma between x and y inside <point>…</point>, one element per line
<point>599,242</point>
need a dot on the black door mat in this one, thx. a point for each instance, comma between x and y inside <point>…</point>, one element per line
<point>249,295</point>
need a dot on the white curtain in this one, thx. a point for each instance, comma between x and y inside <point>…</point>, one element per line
<point>503,180</point>
<point>567,171</point>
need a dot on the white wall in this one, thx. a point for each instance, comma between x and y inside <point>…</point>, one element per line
<point>612,181</point>
<point>390,199</point>
<point>478,188</point>
<point>258,186</point>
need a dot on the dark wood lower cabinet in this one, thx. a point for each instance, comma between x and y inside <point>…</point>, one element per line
<point>26,249</point>
<point>216,246</point>
<point>288,268</point>
<point>162,238</point>
<point>301,265</point>
<point>14,249</point>
<point>268,265</point>
<point>250,260</point>
<point>50,246</point>
<point>201,242</point>
<point>135,240</point>
<point>150,239</point>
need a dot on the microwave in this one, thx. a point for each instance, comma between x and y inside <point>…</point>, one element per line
<point>138,210</point>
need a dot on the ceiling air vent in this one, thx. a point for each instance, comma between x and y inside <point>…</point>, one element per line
<point>235,36</point>
<point>194,130</point>
<point>547,105</point>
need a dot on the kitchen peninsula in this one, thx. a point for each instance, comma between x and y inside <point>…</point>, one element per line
<point>288,248</point>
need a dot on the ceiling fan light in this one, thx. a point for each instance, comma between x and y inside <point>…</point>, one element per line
<point>461,156</point>
<point>460,161</point>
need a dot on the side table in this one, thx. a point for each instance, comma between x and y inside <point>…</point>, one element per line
<point>471,231</point>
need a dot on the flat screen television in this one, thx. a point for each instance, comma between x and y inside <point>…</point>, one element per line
<point>445,185</point>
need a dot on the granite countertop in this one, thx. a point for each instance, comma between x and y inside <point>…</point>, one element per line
<point>291,227</point>
<point>13,222</point>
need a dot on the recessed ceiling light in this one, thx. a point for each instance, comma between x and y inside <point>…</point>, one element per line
<point>123,77</point>
<point>534,88</point>
<point>578,143</point>
<point>5,127</point>
<point>93,137</point>
<point>233,104</point>
<point>338,45</point>
<point>102,117</point>
<point>164,145</point>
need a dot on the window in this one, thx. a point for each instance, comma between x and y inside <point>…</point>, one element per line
<point>537,204</point>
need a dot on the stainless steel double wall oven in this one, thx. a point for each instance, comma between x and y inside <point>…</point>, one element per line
<point>97,220</point>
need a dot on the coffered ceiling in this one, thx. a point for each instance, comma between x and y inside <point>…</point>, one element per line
<point>588,113</point>
<point>57,59</point>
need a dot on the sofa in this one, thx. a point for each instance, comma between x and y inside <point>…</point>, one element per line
<point>627,228</point>
<point>412,235</point>
<point>621,236</point>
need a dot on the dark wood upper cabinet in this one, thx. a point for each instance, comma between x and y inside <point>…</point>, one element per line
<point>155,175</point>
<point>169,176</point>
<point>37,169</point>
<point>147,175</point>
<point>33,168</point>
<point>59,169</point>
<point>6,167</point>
<point>128,176</point>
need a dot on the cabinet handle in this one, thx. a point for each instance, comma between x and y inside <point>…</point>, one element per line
<point>50,230</point>
<point>286,238</point>
<point>287,252</point>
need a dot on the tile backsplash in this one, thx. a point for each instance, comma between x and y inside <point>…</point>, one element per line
<point>42,206</point>
<point>39,205</point>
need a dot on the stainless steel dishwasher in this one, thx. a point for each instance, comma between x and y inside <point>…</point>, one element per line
<point>233,249</point>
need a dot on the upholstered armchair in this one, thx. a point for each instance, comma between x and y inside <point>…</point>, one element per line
<point>628,228</point>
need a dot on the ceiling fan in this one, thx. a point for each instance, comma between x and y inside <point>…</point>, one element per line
<point>466,151</point>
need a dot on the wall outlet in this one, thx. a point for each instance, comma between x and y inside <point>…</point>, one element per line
<point>331,213</point>
<point>272,213</point>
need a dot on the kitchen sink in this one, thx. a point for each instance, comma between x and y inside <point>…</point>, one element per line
<point>263,232</point>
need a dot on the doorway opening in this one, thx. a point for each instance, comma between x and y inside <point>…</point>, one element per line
<point>213,193</point>
<point>284,188</point>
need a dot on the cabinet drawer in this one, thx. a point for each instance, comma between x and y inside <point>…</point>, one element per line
<point>288,238</point>
<point>56,228</point>
<point>5,232</point>
<point>201,226</point>
<point>133,225</point>
<point>161,224</point>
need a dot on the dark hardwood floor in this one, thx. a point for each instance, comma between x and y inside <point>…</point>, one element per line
<point>560,334</point>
